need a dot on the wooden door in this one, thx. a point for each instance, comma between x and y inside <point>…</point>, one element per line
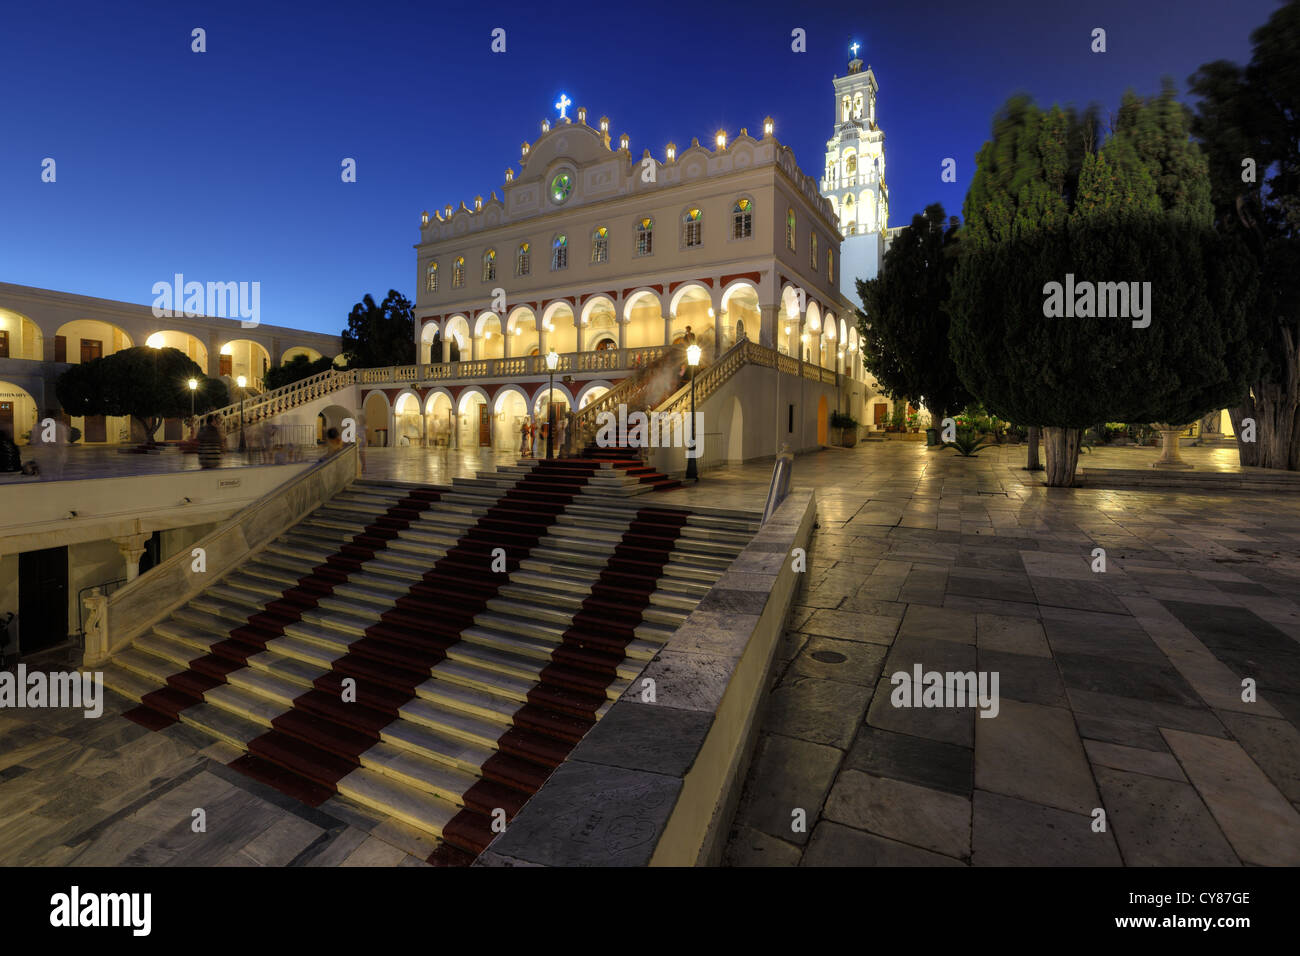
<point>91,349</point>
<point>7,419</point>
<point>42,598</point>
<point>172,429</point>
<point>4,343</point>
<point>227,365</point>
<point>484,426</point>
<point>60,348</point>
<point>96,429</point>
<point>879,412</point>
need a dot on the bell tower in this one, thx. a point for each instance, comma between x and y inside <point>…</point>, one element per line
<point>854,180</point>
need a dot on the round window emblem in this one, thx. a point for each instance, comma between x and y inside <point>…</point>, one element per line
<point>561,186</point>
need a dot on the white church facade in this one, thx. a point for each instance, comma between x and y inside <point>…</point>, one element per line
<point>609,258</point>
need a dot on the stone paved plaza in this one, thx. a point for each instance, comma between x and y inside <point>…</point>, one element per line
<point>1118,690</point>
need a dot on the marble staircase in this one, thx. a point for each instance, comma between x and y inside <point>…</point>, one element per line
<point>432,654</point>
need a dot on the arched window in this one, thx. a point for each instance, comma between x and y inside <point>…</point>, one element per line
<point>600,245</point>
<point>844,113</point>
<point>458,273</point>
<point>830,265</point>
<point>432,284</point>
<point>523,260</point>
<point>490,265</point>
<point>850,164</point>
<point>789,229</point>
<point>692,233</point>
<point>857,106</point>
<point>645,234</point>
<point>742,219</point>
<point>560,252</point>
<point>812,250</point>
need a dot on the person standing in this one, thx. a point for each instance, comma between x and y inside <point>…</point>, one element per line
<point>211,444</point>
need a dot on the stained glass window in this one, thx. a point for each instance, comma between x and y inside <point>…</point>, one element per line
<point>742,219</point>
<point>692,234</point>
<point>600,245</point>
<point>560,252</point>
<point>523,261</point>
<point>789,228</point>
<point>433,277</point>
<point>561,186</point>
<point>458,273</point>
<point>645,230</point>
<point>489,265</point>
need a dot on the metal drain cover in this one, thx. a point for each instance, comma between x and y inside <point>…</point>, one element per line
<point>829,657</point>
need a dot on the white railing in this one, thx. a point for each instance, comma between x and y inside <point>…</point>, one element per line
<point>258,408</point>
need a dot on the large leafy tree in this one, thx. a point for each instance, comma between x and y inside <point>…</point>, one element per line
<point>1248,122</point>
<point>295,370</point>
<point>144,383</point>
<point>1134,209</point>
<point>380,335</point>
<point>903,323</point>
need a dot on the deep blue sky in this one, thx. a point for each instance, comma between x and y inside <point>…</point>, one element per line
<point>225,165</point>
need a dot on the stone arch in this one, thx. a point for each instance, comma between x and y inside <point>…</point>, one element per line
<point>312,354</point>
<point>562,393</point>
<point>521,325</point>
<point>509,412</point>
<point>378,418</point>
<point>80,334</point>
<point>408,425</point>
<point>558,321</point>
<point>18,411</point>
<point>246,357</point>
<point>584,395</point>
<point>185,342</point>
<point>23,336</point>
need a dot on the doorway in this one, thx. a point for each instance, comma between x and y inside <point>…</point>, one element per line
<point>7,419</point>
<point>96,428</point>
<point>484,426</point>
<point>42,598</point>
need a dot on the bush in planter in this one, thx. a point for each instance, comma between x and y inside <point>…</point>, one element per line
<point>847,426</point>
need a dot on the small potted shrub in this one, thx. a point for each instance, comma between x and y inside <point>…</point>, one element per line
<point>847,428</point>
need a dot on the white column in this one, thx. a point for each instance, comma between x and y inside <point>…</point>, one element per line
<point>131,547</point>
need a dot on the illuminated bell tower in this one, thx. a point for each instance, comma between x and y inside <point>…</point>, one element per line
<point>854,181</point>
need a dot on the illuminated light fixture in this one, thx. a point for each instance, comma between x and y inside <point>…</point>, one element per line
<point>671,152</point>
<point>155,341</point>
<point>552,360</point>
<point>768,126</point>
<point>193,384</point>
<point>804,338</point>
<point>604,124</point>
<point>518,330</point>
<point>424,218</point>
<point>584,320</point>
<point>623,141</point>
<point>487,335</point>
<point>447,210</point>
<point>523,150</point>
<point>241,381</point>
<point>721,139</point>
<point>787,330</point>
<point>227,349</point>
<point>692,355</point>
<point>478,203</point>
<point>710,311</point>
<point>582,115</point>
<point>510,174</point>
<point>546,126</point>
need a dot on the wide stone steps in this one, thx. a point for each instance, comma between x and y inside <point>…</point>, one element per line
<point>484,694</point>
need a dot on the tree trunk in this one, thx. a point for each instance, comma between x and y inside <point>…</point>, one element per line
<point>1247,451</point>
<point>1031,460</point>
<point>1062,448</point>
<point>1277,412</point>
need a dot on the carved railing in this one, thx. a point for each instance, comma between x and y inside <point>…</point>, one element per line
<point>285,398</point>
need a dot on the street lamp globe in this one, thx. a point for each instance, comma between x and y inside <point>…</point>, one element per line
<point>692,355</point>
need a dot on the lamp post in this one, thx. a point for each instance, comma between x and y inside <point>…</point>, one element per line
<point>243,392</point>
<point>692,469</point>
<point>194,385</point>
<point>552,360</point>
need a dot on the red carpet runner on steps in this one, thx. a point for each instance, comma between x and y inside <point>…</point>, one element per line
<point>320,740</point>
<point>186,689</point>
